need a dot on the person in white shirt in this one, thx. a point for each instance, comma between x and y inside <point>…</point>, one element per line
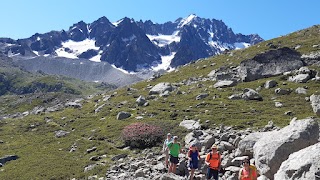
<point>165,148</point>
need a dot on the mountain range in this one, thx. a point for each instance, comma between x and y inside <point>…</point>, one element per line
<point>129,45</point>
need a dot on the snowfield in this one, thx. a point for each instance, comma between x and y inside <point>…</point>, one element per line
<point>72,49</point>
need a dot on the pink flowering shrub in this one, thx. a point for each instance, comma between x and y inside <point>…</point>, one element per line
<point>141,135</point>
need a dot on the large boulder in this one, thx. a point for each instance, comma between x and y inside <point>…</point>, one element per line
<point>245,146</point>
<point>161,88</point>
<point>270,63</point>
<point>272,149</point>
<point>315,103</point>
<point>304,164</point>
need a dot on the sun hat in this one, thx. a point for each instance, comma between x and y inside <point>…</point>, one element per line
<point>214,146</point>
<point>175,137</point>
<point>169,134</point>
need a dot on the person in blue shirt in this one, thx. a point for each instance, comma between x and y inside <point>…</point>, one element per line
<point>194,157</point>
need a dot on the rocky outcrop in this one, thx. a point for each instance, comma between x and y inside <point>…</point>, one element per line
<point>270,63</point>
<point>270,153</point>
<point>304,164</point>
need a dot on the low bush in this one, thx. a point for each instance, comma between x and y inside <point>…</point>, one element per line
<point>141,135</point>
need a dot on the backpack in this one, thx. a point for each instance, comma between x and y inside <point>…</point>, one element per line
<point>211,156</point>
<point>219,157</point>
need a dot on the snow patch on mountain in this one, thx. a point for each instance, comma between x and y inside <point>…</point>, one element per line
<point>165,62</point>
<point>219,45</point>
<point>241,45</point>
<point>187,20</point>
<point>163,40</point>
<point>36,53</point>
<point>117,23</point>
<point>97,58</point>
<point>72,49</point>
<point>122,70</point>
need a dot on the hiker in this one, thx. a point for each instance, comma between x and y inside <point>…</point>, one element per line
<point>194,157</point>
<point>213,160</point>
<point>166,150</point>
<point>174,150</point>
<point>248,171</point>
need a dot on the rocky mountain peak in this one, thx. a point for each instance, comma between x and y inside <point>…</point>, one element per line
<point>131,44</point>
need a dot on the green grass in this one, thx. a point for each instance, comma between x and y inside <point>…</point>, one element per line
<point>43,156</point>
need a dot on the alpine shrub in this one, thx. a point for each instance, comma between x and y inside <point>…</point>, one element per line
<point>141,135</point>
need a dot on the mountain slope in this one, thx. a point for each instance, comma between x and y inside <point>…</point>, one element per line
<point>33,139</point>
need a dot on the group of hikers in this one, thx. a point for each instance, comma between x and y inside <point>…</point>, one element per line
<point>172,149</point>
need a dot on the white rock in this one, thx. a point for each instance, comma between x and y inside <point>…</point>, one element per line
<point>224,84</point>
<point>190,124</point>
<point>301,90</point>
<point>160,88</point>
<point>272,149</point>
<point>304,164</point>
<point>300,78</point>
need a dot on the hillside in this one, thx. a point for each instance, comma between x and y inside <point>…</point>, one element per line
<point>36,88</point>
<point>44,154</point>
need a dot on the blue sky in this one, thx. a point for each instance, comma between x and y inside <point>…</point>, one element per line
<point>268,18</point>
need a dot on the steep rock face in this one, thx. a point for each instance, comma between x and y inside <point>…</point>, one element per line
<point>271,63</point>
<point>79,31</point>
<point>130,47</point>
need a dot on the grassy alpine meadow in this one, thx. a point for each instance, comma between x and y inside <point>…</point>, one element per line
<point>44,156</point>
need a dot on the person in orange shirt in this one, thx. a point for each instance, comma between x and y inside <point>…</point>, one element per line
<point>213,160</point>
<point>247,172</point>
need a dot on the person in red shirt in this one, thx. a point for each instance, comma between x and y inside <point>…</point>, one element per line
<point>247,172</point>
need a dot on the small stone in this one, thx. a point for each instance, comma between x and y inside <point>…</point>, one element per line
<point>91,150</point>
